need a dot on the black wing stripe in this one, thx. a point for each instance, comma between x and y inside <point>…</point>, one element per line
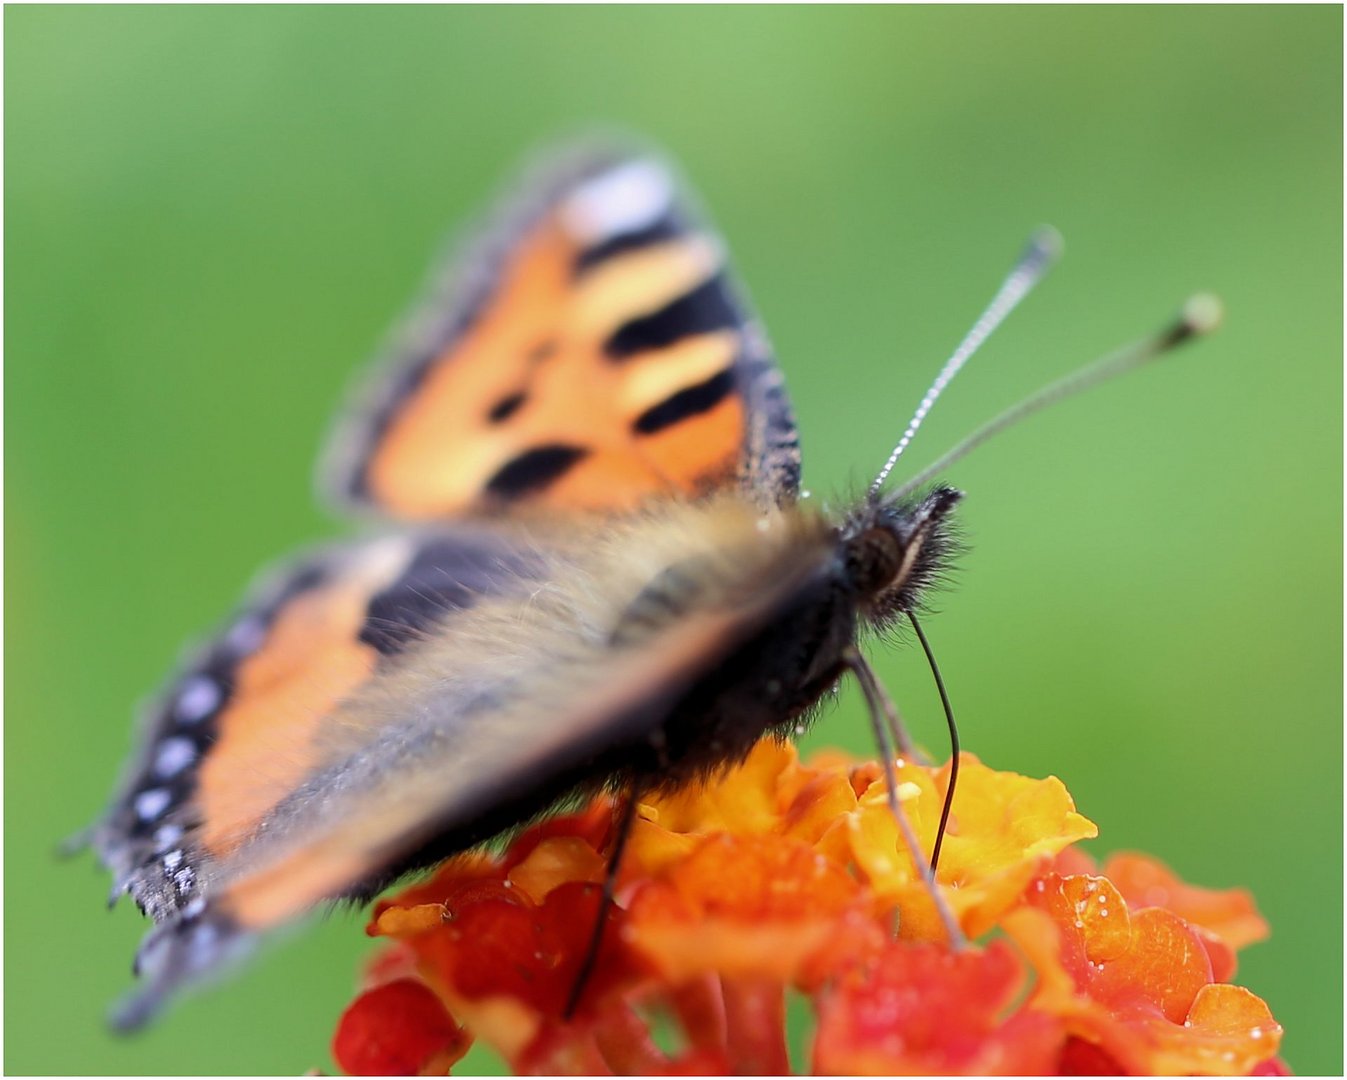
<point>446,576</point>
<point>705,309</point>
<point>665,229</point>
<point>534,470</point>
<point>691,401</point>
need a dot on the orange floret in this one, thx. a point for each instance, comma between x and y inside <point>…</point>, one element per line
<point>1137,985</point>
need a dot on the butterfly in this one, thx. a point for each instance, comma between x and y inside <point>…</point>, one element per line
<point>596,570</point>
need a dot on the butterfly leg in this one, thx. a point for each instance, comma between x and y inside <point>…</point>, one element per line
<point>902,741</point>
<point>882,716</point>
<point>624,824</point>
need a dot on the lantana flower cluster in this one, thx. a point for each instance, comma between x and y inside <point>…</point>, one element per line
<point>787,876</point>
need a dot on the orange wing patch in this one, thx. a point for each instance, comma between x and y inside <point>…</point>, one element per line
<point>236,731</point>
<point>311,659</point>
<point>607,361</point>
<point>232,734</point>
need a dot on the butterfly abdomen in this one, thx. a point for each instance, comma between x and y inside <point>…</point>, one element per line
<point>770,683</point>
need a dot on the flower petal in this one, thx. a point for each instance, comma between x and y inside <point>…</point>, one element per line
<point>398,1029</point>
<point>739,906</point>
<point>744,800</point>
<point>1003,831</point>
<point>554,862</point>
<point>1136,985</point>
<point>1147,882</point>
<point>919,1008</point>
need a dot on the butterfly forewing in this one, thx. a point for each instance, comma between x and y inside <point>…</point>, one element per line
<point>590,352</point>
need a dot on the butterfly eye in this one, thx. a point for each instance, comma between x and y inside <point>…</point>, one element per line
<point>874,559</point>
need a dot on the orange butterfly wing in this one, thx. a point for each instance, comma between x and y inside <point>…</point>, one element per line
<point>238,728</point>
<point>592,353</point>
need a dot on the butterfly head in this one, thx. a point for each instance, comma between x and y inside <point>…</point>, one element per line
<point>895,549</point>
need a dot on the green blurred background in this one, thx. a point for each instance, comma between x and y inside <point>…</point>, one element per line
<point>214,213</point>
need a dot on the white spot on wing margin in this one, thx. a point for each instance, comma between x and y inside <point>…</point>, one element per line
<point>623,200</point>
<point>151,803</point>
<point>173,756</point>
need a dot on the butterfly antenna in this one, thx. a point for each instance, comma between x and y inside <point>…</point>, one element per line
<point>1200,316</point>
<point>1043,250</point>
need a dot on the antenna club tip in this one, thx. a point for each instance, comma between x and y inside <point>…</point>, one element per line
<point>1048,243</point>
<point>1203,313</point>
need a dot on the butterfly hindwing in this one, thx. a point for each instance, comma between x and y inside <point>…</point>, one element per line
<point>236,729</point>
<point>533,694</point>
<point>589,353</point>
<point>495,672</point>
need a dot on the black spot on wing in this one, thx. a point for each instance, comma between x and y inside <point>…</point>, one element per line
<point>705,309</point>
<point>666,228</point>
<point>445,576</point>
<point>506,407</point>
<point>687,402</point>
<point>533,471</point>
